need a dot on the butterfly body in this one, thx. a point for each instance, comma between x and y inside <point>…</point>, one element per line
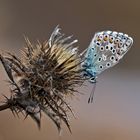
<point>106,49</point>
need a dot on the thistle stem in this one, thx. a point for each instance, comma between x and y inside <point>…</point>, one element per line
<point>4,106</point>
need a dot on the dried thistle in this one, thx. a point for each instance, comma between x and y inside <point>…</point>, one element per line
<point>42,80</point>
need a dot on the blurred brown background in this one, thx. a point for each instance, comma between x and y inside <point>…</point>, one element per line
<point>115,114</point>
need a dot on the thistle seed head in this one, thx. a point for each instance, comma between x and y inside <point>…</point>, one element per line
<point>43,78</point>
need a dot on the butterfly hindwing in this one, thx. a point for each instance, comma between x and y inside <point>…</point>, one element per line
<point>105,50</point>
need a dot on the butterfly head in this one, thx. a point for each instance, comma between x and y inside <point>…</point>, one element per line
<point>93,79</point>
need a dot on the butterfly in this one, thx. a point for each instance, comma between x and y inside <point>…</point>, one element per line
<point>106,49</point>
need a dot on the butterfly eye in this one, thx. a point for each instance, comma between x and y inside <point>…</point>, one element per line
<point>101,48</point>
<point>92,79</point>
<point>108,64</point>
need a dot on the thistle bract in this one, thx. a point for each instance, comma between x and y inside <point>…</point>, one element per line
<point>43,78</point>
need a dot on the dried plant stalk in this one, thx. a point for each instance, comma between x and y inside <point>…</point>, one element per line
<point>42,80</point>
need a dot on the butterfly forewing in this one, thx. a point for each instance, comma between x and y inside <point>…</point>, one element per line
<point>105,50</point>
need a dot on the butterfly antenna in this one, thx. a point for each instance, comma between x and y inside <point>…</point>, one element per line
<point>81,54</point>
<point>91,97</point>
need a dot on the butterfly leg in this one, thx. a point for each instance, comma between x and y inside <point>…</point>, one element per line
<point>93,81</point>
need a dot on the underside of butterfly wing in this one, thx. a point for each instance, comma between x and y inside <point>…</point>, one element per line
<point>105,50</point>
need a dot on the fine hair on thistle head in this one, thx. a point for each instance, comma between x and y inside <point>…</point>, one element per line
<point>43,78</point>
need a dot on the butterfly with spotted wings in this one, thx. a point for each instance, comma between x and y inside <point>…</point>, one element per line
<point>106,49</point>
